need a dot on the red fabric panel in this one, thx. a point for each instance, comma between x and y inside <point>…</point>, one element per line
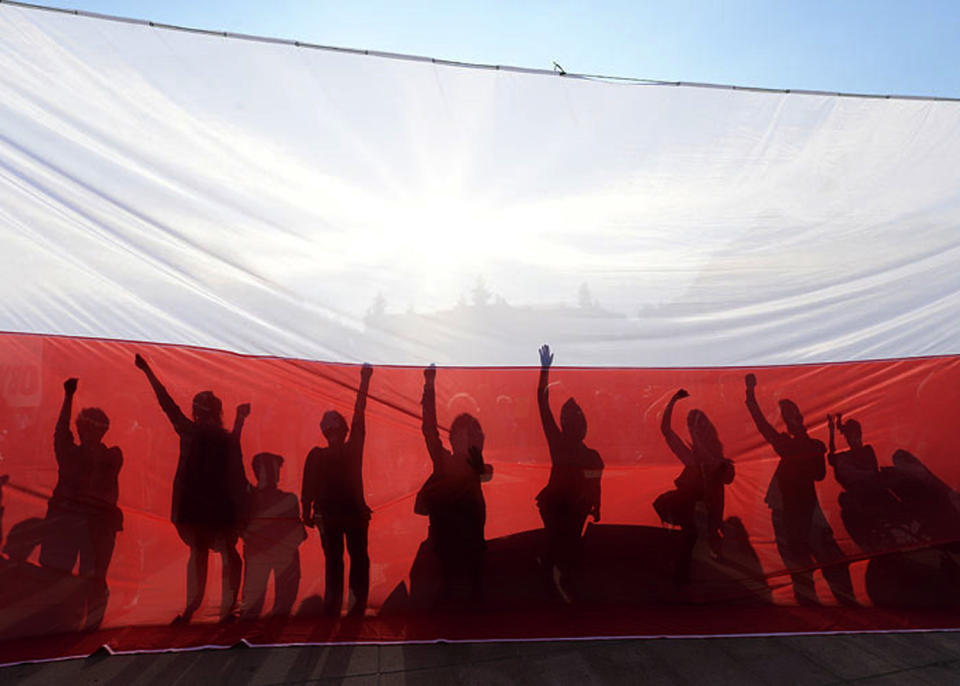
<point>627,563</point>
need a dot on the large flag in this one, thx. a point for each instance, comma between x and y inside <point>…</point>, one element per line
<point>742,422</point>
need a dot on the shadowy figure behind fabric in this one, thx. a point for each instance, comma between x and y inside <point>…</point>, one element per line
<point>904,515</point>
<point>209,492</point>
<point>271,540</point>
<point>572,492</point>
<point>453,500</point>
<point>705,473</point>
<point>870,512</point>
<point>931,503</point>
<point>333,501</point>
<point>82,518</point>
<point>804,538</point>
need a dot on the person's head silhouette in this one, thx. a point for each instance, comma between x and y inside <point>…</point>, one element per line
<point>465,433</point>
<point>792,418</point>
<point>852,432</point>
<point>334,427</point>
<point>92,424</point>
<point>207,409</point>
<point>573,423</point>
<point>266,467</point>
<point>706,440</point>
<point>905,459</point>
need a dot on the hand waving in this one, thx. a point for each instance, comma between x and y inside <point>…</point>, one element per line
<point>546,357</point>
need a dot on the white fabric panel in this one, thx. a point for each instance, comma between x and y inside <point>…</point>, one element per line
<point>168,186</point>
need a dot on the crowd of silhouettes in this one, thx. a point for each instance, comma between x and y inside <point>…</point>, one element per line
<point>214,506</point>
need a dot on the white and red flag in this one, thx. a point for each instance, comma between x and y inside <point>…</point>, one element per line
<point>257,218</point>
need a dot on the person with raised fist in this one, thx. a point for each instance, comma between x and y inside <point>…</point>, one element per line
<point>209,492</point>
<point>333,501</point>
<point>452,497</point>
<point>82,518</point>
<point>804,537</point>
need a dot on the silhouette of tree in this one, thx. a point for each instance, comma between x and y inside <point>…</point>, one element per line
<point>377,308</point>
<point>585,297</point>
<point>481,295</point>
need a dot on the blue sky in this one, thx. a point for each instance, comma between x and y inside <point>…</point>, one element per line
<point>872,46</point>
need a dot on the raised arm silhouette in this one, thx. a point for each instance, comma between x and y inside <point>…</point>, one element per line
<point>904,516</point>
<point>572,492</point>
<point>875,519</point>
<point>802,532</point>
<point>209,490</point>
<point>705,473</point>
<point>333,501</point>
<point>857,466</point>
<point>452,497</point>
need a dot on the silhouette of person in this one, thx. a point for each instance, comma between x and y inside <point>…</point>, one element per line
<point>705,472</point>
<point>894,513</point>
<point>271,541</point>
<point>333,501</point>
<point>931,506</point>
<point>82,517</point>
<point>572,492</point>
<point>866,505</point>
<point>209,490</point>
<point>857,464</point>
<point>802,532</point>
<point>452,497</point>
<point>882,509</point>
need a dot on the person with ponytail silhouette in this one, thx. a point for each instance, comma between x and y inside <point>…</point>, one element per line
<point>705,473</point>
<point>209,492</point>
